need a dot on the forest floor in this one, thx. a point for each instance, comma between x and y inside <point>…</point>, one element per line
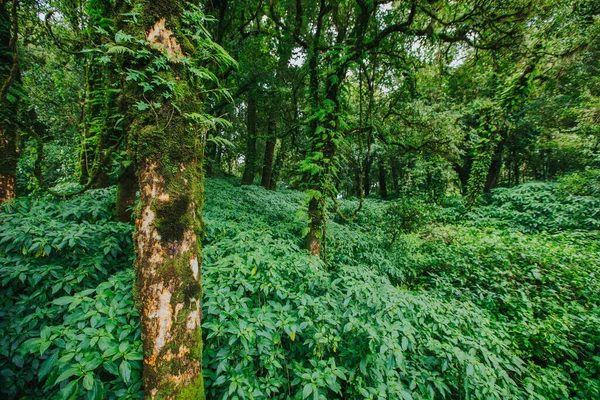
<point>498,302</point>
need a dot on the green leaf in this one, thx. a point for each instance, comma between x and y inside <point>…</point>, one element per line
<point>69,390</point>
<point>69,372</point>
<point>47,365</point>
<point>88,381</point>
<point>308,388</point>
<point>62,301</point>
<point>470,370</point>
<point>125,371</point>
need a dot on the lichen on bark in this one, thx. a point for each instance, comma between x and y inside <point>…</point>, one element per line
<point>169,226</point>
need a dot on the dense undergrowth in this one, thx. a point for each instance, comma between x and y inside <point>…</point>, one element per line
<point>413,301</point>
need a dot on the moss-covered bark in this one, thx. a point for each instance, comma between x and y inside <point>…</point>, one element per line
<point>168,277</point>
<point>167,148</point>
<point>8,111</point>
<point>126,190</point>
<point>267,171</point>
<point>382,181</point>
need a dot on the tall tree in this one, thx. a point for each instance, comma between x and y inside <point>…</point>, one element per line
<point>342,34</point>
<point>8,99</point>
<point>169,51</point>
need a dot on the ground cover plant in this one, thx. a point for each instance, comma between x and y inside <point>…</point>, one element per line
<point>462,310</point>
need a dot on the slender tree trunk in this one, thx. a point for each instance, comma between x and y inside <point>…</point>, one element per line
<point>278,165</point>
<point>495,167</point>
<point>464,172</point>
<point>394,172</point>
<point>8,108</point>
<point>367,173</point>
<point>267,171</point>
<point>357,181</point>
<point>315,226</point>
<point>250,163</point>
<point>126,190</point>
<point>382,183</point>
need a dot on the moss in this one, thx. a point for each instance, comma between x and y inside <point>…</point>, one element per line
<point>173,218</point>
<point>194,391</point>
<point>197,345</point>
<point>170,10</point>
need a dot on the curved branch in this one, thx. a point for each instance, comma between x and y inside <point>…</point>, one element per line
<point>54,38</point>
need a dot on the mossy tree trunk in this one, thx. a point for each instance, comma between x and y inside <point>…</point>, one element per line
<point>267,171</point>
<point>394,173</point>
<point>126,190</point>
<point>8,104</point>
<point>495,168</point>
<point>382,182</point>
<point>168,225</point>
<point>279,163</point>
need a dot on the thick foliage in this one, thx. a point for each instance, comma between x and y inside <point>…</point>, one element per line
<point>279,325</point>
<point>68,326</point>
<point>485,307</point>
<point>535,207</point>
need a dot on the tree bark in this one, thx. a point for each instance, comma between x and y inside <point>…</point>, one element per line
<point>315,226</point>
<point>8,108</point>
<point>169,226</point>
<point>464,172</point>
<point>250,163</point>
<point>367,174</point>
<point>394,172</point>
<point>382,183</point>
<point>267,171</point>
<point>126,190</point>
<point>278,165</point>
<point>495,167</point>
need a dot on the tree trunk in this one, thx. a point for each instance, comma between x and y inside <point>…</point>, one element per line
<point>495,167</point>
<point>250,163</point>
<point>169,225</point>
<point>278,165</point>
<point>315,226</point>
<point>8,109</point>
<point>367,173</point>
<point>394,172</point>
<point>126,190</point>
<point>382,183</point>
<point>168,278</point>
<point>357,180</point>
<point>267,171</point>
<point>464,172</point>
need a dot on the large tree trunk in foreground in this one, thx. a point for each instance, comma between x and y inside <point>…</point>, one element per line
<point>8,108</point>
<point>168,280</point>
<point>169,226</point>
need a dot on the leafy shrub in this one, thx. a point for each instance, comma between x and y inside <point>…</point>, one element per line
<point>489,307</point>
<point>278,325</point>
<point>65,306</point>
<point>535,207</point>
<point>544,288</point>
<point>582,183</point>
